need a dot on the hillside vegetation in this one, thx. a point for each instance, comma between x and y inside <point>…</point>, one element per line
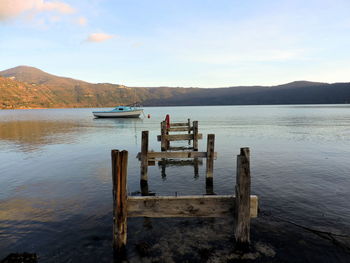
<point>28,87</point>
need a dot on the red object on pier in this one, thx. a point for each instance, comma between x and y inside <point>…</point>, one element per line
<point>167,119</point>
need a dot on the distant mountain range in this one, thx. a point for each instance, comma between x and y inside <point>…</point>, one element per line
<point>28,87</point>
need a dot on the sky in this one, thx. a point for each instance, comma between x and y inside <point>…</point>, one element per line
<point>182,43</point>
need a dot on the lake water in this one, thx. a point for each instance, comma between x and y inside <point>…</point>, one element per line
<point>56,189</point>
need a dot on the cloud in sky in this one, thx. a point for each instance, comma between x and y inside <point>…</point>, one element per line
<point>82,21</point>
<point>99,37</point>
<point>12,8</point>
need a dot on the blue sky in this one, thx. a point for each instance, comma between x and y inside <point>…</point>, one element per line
<point>179,43</point>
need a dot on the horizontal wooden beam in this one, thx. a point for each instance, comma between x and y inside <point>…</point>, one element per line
<point>179,137</point>
<point>186,206</point>
<point>172,162</point>
<point>180,148</point>
<point>177,124</point>
<point>176,155</point>
<point>179,129</point>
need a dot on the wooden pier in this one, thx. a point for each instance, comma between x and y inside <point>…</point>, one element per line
<point>163,158</point>
<point>241,206</point>
<point>170,154</point>
<point>192,135</point>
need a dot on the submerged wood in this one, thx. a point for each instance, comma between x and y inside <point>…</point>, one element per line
<point>144,187</point>
<point>196,162</point>
<point>186,206</point>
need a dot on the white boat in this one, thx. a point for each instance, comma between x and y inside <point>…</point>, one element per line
<point>120,112</point>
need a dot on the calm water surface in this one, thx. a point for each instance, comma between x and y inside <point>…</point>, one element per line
<point>55,181</point>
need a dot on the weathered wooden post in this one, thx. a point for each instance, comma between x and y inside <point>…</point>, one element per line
<point>167,129</point>
<point>210,165</point>
<point>163,144</point>
<point>119,176</point>
<point>144,163</point>
<point>242,215</point>
<point>189,129</point>
<point>195,136</point>
<point>210,155</point>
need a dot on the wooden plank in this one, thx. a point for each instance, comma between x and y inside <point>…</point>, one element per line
<point>185,206</point>
<point>119,175</point>
<point>175,155</point>
<point>178,129</point>
<point>172,162</point>
<point>144,156</point>
<point>179,137</point>
<point>195,136</point>
<point>242,214</point>
<point>181,148</point>
<point>177,124</point>
<point>210,155</point>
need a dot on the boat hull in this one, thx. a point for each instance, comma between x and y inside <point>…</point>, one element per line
<point>110,114</point>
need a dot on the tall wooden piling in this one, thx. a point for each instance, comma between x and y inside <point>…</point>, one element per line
<point>167,129</point>
<point>144,163</point>
<point>209,186</point>
<point>242,189</point>
<point>189,129</point>
<point>163,129</point>
<point>210,155</point>
<point>195,136</point>
<point>119,176</point>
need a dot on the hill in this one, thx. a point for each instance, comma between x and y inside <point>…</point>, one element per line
<point>28,87</point>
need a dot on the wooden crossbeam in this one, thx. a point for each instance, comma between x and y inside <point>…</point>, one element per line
<point>178,124</point>
<point>179,137</point>
<point>180,148</point>
<point>176,155</point>
<point>180,129</point>
<point>172,162</point>
<point>186,206</point>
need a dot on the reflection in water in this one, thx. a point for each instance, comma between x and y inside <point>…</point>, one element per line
<point>121,123</point>
<point>25,209</point>
<point>30,135</point>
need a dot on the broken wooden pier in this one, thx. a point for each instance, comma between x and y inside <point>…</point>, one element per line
<point>166,158</point>
<point>242,206</point>
<point>192,135</point>
<point>176,155</point>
